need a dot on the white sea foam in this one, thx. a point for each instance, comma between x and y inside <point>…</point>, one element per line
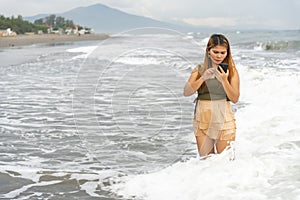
<point>15,193</point>
<point>137,60</point>
<point>87,50</point>
<point>265,150</point>
<point>200,179</point>
<point>26,172</point>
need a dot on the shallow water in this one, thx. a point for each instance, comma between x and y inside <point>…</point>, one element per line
<point>108,120</point>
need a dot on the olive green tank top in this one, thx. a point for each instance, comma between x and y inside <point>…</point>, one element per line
<point>213,90</point>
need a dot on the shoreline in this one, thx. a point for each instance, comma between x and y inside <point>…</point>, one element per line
<point>26,40</point>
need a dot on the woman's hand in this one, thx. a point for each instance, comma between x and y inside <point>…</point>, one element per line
<point>231,88</point>
<point>221,76</point>
<point>208,74</point>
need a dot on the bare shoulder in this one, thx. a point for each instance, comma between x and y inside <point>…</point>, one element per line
<point>195,74</point>
<point>197,68</point>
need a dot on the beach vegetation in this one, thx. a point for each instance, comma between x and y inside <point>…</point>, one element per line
<point>45,25</point>
<point>17,24</point>
<point>55,23</point>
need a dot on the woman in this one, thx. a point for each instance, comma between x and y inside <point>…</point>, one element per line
<point>214,122</point>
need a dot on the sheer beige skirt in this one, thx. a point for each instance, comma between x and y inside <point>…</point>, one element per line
<point>214,119</point>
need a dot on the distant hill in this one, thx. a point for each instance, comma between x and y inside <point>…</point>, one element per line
<point>105,19</point>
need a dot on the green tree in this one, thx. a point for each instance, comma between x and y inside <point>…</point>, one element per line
<point>21,26</point>
<point>39,22</point>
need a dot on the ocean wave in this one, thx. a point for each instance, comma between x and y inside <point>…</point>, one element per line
<point>277,45</point>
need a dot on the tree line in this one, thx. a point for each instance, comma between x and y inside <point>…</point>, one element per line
<point>57,22</point>
<point>18,25</point>
<point>21,26</point>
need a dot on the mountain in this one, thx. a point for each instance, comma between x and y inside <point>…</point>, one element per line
<point>105,19</point>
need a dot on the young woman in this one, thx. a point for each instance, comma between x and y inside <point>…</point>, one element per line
<point>214,122</point>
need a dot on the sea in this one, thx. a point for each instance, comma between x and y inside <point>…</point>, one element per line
<point>108,120</point>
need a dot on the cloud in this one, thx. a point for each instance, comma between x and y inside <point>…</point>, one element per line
<point>211,21</point>
<point>214,13</point>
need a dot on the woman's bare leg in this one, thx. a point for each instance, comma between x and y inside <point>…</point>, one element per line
<point>221,145</point>
<point>205,145</point>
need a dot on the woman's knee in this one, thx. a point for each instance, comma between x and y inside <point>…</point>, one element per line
<point>221,145</point>
<point>205,145</point>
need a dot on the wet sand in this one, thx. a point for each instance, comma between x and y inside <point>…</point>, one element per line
<point>47,38</point>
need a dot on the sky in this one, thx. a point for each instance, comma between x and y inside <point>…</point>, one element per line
<point>250,14</point>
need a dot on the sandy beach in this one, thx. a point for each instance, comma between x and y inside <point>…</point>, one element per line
<point>47,38</point>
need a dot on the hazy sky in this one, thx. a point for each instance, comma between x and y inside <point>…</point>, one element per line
<point>277,14</point>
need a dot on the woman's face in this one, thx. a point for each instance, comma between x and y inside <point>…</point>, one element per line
<point>218,54</point>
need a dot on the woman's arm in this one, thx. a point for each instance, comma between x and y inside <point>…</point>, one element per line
<point>194,82</point>
<point>232,89</point>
